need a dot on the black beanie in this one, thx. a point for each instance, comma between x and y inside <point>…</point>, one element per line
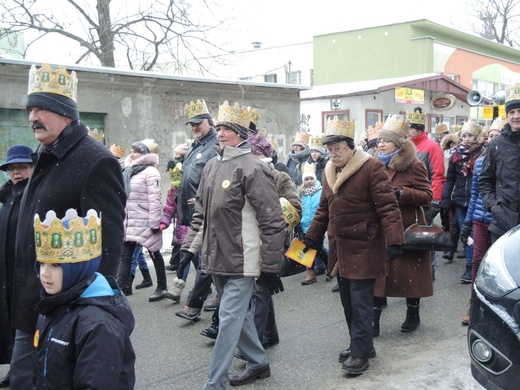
<point>511,105</point>
<point>240,130</point>
<point>58,104</point>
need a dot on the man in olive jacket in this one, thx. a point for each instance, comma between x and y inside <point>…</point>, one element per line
<point>71,170</point>
<point>359,211</point>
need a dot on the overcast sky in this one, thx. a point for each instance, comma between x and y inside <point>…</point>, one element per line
<point>277,22</point>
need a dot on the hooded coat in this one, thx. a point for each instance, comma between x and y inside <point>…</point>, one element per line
<point>83,338</point>
<point>238,209</point>
<point>143,206</point>
<point>359,211</point>
<point>409,276</point>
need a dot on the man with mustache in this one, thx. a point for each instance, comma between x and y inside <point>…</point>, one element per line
<point>498,181</point>
<point>71,170</point>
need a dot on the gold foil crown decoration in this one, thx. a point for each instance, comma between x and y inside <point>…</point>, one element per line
<point>397,124</point>
<point>416,117</point>
<point>151,145</point>
<point>317,140</point>
<point>290,214</point>
<point>441,128</point>
<point>235,114</point>
<point>373,131</point>
<point>194,109</point>
<point>455,128</point>
<point>470,127</point>
<point>498,123</point>
<point>118,151</point>
<point>344,127</point>
<point>72,239</point>
<point>56,81</point>
<point>513,93</point>
<point>98,135</point>
<point>302,136</point>
<point>255,116</point>
<point>176,174</point>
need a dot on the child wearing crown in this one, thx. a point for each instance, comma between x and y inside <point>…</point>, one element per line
<point>83,330</point>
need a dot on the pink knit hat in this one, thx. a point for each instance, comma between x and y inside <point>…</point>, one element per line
<point>260,145</point>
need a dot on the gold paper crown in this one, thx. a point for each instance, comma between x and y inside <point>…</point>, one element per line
<point>455,128</point>
<point>151,145</point>
<point>118,151</point>
<point>373,132</point>
<point>57,81</point>
<point>98,135</point>
<point>317,140</point>
<point>290,214</point>
<point>302,136</point>
<point>254,115</point>
<point>194,109</point>
<point>176,174</point>
<point>416,117</point>
<point>441,128</point>
<point>80,241</point>
<point>513,93</point>
<point>397,124</point>
<point>498,123</point>
<point>471,127</point>
<point>234,114</point>
<point>343,127</point>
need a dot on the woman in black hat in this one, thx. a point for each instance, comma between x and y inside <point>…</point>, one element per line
<point>18,166</point>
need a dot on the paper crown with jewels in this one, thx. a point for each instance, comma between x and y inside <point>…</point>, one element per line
<point>471,127</point>
<point>373,131</point>
<point>56,81</point>
<point>498,123</point>
<point>513,93</point>
<point>235,114</point>
<point>441,128</point>
<point>152,146</point>
<point>98,135</point>
<point>118,151</point>
<point>255,116</point>
<point>176,174</point>
<point>340,127</point>
<point>301,137</point>
<point>416,117</point>
<point>290,214</point>
<point>197,108</point>
<point>397,124</point>
<point>71,239</point>
<point>317,140</point>
<point>455,128</point>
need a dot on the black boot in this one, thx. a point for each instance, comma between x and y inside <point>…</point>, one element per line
<point>377,316</point>
<point>466,276</point>
<point>448,256</point>
<point>126,288</point>
<point>147,280</point>
<point>412,320</point>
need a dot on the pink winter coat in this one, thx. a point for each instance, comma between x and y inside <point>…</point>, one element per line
<point>143,206</point>
<point>170,212</point>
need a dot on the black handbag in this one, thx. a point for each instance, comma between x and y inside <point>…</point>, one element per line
<point>426,238</point>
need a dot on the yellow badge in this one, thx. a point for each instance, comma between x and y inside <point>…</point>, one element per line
<point>225,184</point>
<point>36,338</point>
<point>199,155</point>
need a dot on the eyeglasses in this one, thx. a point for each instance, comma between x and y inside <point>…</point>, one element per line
<point>18,167</point>
<point>383,141</point>
<point>336,150</point>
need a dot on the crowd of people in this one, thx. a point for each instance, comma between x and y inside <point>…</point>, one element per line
<point>64,317</point>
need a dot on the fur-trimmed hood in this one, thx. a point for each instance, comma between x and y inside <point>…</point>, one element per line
<point>335,180</point>
<point>452,137</point>
<point>404,157</point>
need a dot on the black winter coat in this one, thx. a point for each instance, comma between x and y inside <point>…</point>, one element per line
<point>79,173</point>
<point>10,196</point>
<point>499,181</point>
<point>194,162</point>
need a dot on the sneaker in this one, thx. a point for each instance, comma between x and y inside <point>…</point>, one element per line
<point>466,277</point>
<point>188,313</point>
<point>212,305</point>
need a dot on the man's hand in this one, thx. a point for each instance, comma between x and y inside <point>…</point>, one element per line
<point>465,232</point>
<point>271,282</point>
<point>185,259</point>
<point>309,244</point>
<point>394,252</point>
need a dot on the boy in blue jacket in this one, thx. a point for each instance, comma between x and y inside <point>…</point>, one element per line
<point>85,322</point>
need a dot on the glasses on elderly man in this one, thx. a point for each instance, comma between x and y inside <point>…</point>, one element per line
<point>18,167</point>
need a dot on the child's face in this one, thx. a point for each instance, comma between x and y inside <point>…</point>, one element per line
<point>51,277</point>
<point>309,181</point>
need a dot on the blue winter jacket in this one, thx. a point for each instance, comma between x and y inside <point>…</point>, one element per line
<point>476,210</point>
<point>310,204</point>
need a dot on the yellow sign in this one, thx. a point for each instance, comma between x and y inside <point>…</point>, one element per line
<point>488,111</point>
<point>409,96</point>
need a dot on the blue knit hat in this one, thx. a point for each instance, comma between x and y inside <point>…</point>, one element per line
<point>17,154</point>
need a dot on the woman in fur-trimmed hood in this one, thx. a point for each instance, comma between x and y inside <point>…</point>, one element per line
<point>409,276</point>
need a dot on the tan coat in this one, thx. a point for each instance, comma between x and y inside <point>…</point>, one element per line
<point>359,211</point>
<point>410,276</point>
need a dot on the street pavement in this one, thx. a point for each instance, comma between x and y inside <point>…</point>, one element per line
<point>171,354</point>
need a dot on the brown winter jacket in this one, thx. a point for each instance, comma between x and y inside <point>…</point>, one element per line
<point>359,211</point>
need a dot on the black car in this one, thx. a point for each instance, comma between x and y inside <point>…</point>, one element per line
<point>494,327</point>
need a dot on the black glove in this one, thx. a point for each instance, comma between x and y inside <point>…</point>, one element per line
<point>465,232</point>
<point>445,219</point>
<point>435,207</point>
<point>156,230</point>
<point>185,258</point>
<point>271,282</point>
<point>394,252</point>
<point>309,244</point>
<point>399,192</point>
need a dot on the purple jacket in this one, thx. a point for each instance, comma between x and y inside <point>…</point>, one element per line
<point>170,212</point>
